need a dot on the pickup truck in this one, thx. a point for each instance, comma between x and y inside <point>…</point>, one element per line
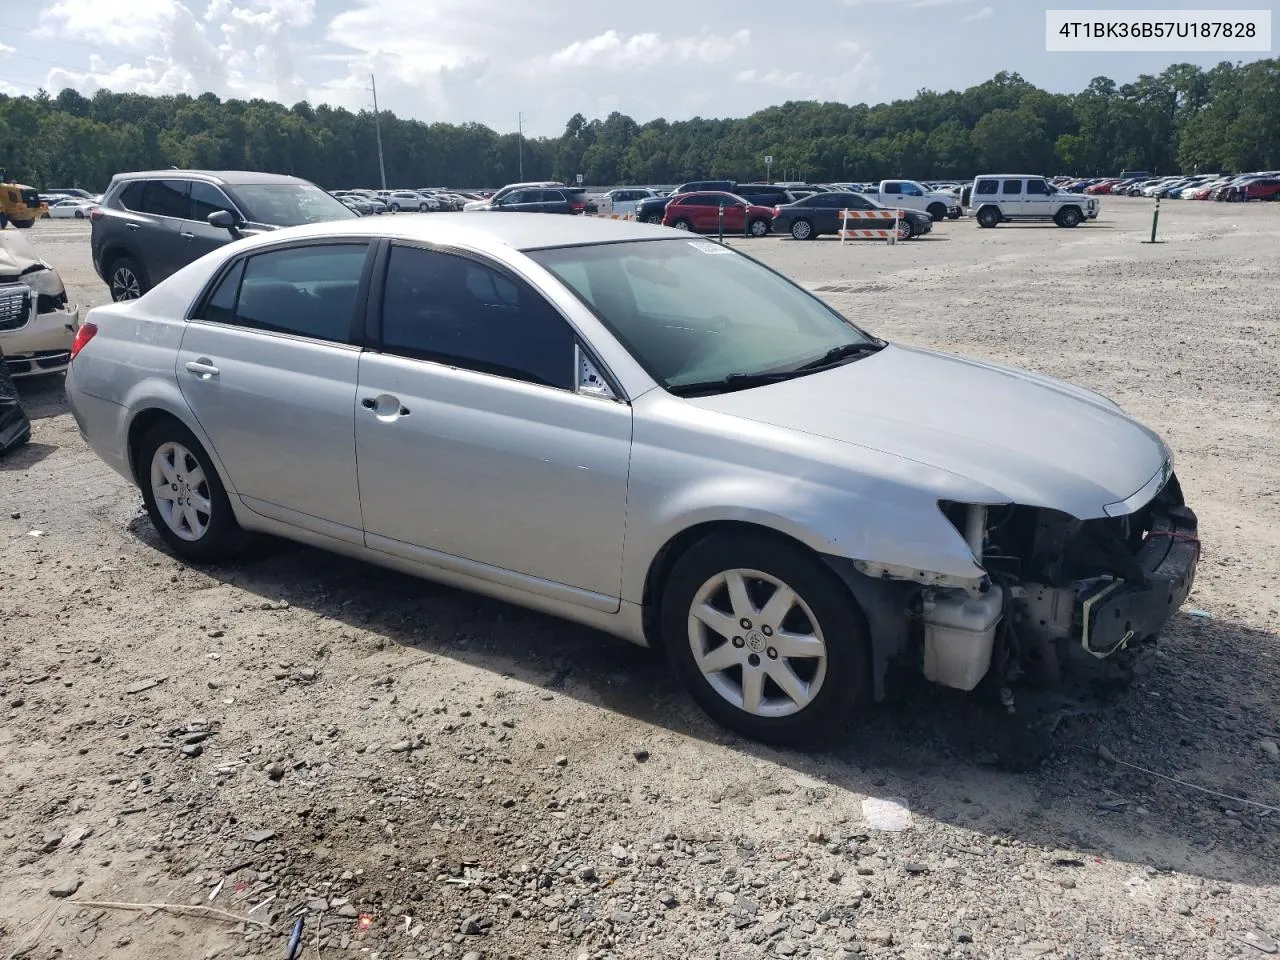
<point>911,195</point>
<point>621,201</point>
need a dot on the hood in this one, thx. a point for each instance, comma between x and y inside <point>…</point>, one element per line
<point>16,255</point>
<point>1035,440</point>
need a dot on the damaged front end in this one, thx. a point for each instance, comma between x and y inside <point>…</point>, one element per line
<point>1062,590</point>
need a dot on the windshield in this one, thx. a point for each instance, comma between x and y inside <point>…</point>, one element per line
<point>288,204</point>
<point>693,311</point>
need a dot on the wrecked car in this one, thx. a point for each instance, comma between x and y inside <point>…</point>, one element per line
<point>37,322</point>
<point>648,433</point>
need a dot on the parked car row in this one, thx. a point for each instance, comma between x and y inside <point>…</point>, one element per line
<point>1258,185</point>
<point>420,200</point>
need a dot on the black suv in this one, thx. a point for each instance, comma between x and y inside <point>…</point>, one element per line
<point>152,224</point>
<point>544,200</point>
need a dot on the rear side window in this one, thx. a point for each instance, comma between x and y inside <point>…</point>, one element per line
<point>893,187</point>
<point>453,310</point>
<point>986,187</point>
<point>1011,187</point>
<point>307,291</point>
<point>165,198</point>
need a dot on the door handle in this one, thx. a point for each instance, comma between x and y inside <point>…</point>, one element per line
<point>389,409</point>
<point>187,236</point>
<point>133,226</point>
<point>202,368</point>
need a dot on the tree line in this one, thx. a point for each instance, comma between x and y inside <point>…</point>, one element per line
<point>1184,119</point>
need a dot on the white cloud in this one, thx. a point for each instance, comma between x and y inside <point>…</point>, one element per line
<point>851,83</point>
<point>612,50</point>
<point>4,49</point>
<point>982,14</point>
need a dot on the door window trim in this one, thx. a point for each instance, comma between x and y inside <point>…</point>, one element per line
<point>356,333</point>
<point>377,295</point>
<point>231,204</point>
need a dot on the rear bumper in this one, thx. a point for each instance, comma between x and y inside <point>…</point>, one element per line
<point>1117,613</point>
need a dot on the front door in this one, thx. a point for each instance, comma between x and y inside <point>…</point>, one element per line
<point>735,218</point>
<point>1036,200</point>
<point>269,369</point>
<point>475,450</point>
<point>197,235</point>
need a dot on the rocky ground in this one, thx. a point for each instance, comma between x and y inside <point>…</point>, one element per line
<point>417,772</point>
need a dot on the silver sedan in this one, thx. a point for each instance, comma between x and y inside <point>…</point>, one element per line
<point>648,433</point>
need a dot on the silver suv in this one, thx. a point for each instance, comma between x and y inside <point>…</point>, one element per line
<point>151,224</point>
<point>997,197</point>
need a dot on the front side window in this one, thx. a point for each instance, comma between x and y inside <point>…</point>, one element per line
<point>206,199</point>
<point>692,311</point>
<point>986,187</point>
<point>1037,187</point>
<point>288,204</point>
<point>309,291</point>
<point>457,311</point>
<point>1011,188</point>
<point>912,190</point>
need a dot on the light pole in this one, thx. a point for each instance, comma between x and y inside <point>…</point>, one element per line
<point>520,142</point>
<point>768,165</point>
<point>377,129</point>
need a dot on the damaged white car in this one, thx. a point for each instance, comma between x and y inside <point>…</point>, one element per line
<point>647,433</point>
<point>37,323</point>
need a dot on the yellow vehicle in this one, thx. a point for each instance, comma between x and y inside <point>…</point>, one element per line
<point>19,204</point>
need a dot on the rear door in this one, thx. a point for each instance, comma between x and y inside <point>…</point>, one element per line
<point>1011,204</point>
<point>268,366</point>
<point>160,206</point>
<point>476,451</point>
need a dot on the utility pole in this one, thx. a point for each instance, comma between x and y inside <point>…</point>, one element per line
<point>377,129</point>
<point>520,143</point>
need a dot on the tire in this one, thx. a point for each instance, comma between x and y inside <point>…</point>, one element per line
<point>127,280</point>
<point>938,211</point>
<point>204,531</point>
<point>988,217</point>
<point>79,214</point>
<point>1068,217</point>
<point>682,224</point>
<point>423,208</point>
<point>24,224</point>
<point>953,215</point>
<point>758,228</point>
<point>802,230</point>
<point>836,679</point>
<point>394,208</point>
<point>654,218</point>
<point>906,229</point>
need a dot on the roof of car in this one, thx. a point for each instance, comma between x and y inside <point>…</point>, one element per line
<point>523,231</point>
<point>231,177</point>
<point>1011,176</point>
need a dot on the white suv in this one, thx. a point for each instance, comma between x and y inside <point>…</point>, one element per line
<point>1017,196</point>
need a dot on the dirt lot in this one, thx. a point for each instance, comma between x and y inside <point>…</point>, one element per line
<point>423,773</point>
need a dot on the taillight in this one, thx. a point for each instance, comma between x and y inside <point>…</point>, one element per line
<point>96,214</point>
<point>83,336</point>
<point>777,210</point>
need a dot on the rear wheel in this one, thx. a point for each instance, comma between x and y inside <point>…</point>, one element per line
<point>938,211</point>
<point>185,499</point>
<point>24,224</point>
<point>988,217</point>
<point>126,279</point>
<point>766,638</point>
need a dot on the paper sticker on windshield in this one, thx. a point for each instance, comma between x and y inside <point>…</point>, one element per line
<point>706,246</point>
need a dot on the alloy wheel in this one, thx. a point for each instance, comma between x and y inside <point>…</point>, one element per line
<point>757,643</point>
<point>124,284</point>
<point>181,490</point>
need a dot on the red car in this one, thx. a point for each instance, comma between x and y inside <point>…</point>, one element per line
<point>1268,188</point>
<point>700,212</point>
<point>1104,187</point>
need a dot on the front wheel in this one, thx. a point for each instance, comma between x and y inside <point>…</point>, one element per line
<point>758,228</point>
<point>185,499</point>
<point>423,208</point>
<point>954,214</point>
<point>682,224</point>
<point>906,229</point>
<point>1068,217</point>
<point>802,230</point>
<point>938,211</point>
<point>79,214</point>
<point>766,638</point>
<point>24,224</point>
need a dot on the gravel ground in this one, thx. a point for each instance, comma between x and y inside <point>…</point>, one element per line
<point>422,773</point>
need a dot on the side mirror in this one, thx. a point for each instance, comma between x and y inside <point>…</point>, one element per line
<point>225,220</point>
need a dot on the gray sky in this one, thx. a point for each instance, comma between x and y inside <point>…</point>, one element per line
<point>487,60</point>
